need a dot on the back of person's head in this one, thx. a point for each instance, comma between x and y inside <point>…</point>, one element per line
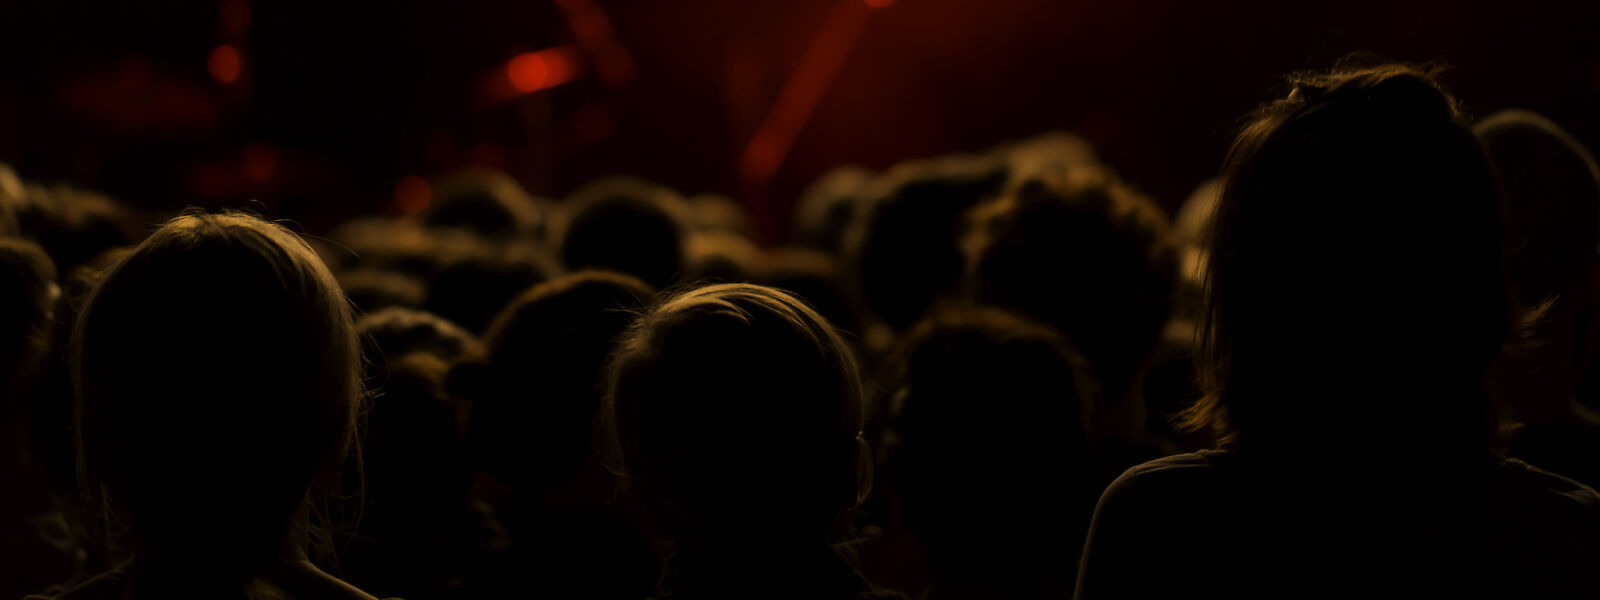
<point>815,277</point>
<point>1075,249</point>
<point>827,208</point>
<point>396,332</point>
<point>905,250</point>
<point>218,377</point>
<point>73,225</point>
<point>373,290</point>
<point>716,212</point>
<point>629,225</point>
<point>737,411</point>
<point>1552,190</point>
<point>989,459</point>
<point>1354,294</point>
<point>720,256</point>
<point>487,202</point>
<point>472,287</point>
<point>537,393</point>
<point>28,297</point>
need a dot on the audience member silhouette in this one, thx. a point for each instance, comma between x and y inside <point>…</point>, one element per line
<point>1552,231</point>
<point>905,248</point>
<point>989,466</point>
<point>537,396</point>
<point>737,415</point>
<point>1354,300</point>
<point>828,208</point>
<point>628,225</point>
<point>1073,248</point>
<point>486,202</point>
<point>219,382</point>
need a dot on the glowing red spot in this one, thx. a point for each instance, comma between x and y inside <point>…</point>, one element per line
<point>260,162</point>
<point>879,3</point>
<point>412,194</point>
<point>528,72</point>
<point>235,16</point>
<point>225,63</point>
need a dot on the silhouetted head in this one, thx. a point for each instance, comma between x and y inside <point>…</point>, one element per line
<point>716,212</point>
<point>1552,208</point>
<point>1073,248</point>
<point>538,390</point>
<point>990,456</point>
<point>395,332</point>
<point>1354,293</point>
<point>472,287</point>
<point>372,290</point>
<point>487,202</point>
<point>906,250</point>
<point>720,256</point>
<point>828,207</point>
<point>628,225</point>
<point>73,225</point>
<point>218,376</point>
<point>814,277</point>
<point>29,294</point>
<point>737,411</point>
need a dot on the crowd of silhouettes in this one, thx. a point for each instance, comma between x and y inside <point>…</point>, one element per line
<point>1363,361</point>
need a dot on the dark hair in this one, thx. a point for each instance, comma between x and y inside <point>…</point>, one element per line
<point>737,413</point>
<point>629,225</point>
<point>1553,205</point>
<point>218,376</point>
<point>1353,289</point>
<point>538,390</point>
<point>471,289</point>
<point>1075,249</point>
<point>486,202</point>
<point>905,250</point>
<point>991,452</point>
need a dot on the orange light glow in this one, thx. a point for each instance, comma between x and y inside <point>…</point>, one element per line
<point>412,194</point>
<point>225,63</point>
<point>879,3</point>
<point>527,72</point>
<point>533,71</point>
<point>260,162</point>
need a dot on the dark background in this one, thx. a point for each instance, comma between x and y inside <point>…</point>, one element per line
<point>339,100</point>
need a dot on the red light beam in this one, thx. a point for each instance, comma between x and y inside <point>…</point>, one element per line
<point>803,91</point>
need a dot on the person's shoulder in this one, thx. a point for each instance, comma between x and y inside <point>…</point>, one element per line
<point>1166,478</point>
<point>1527,481</point>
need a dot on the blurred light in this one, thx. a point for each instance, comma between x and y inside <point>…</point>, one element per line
<point>879,3</point>
<point>533,71</point>
<point>225,63</point>
<point>527,72</point>
<point>235,15</point>
<point>801,93</point>
<point>412,194</point>
<point>593,31</point>
<point>260,162</point>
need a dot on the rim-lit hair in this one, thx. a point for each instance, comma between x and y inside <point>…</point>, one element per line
<point>738,409</point>
<point>1355,266</point>
<point>218,375</point>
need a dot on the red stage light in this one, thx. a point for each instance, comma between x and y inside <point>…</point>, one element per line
<point>528,72</point>
<point>412,194</point>
<point>225,63</point>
